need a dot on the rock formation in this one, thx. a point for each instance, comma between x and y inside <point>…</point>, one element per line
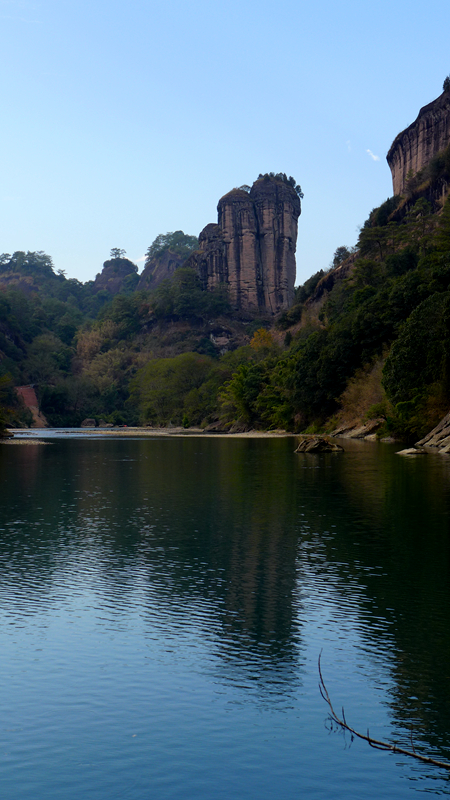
<point>159,269</point>
<point>439,438</point>
<point>117,275</point>
<point>252,248</point>
<point>317,444</point>
<point>414,147</point>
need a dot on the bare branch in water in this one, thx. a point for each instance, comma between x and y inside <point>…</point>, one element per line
<point>376,743</point>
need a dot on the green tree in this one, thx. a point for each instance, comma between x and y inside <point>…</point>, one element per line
<point>48,359</point>
<point>183,298</point>
<point>239,395</point>
<point>308,288</point>
<point>421,355</point>
<point>340,255</point>
<point>31,263</point>
<point>177,241</point>
<point>282,177</point>
<point>168,389</point>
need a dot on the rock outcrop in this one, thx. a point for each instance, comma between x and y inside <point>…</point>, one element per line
<point>414,147</point>
<point>89,422</point>
<point>411,451</point>
<point>317,444</point>
<point>439,438</point>
<point>359,430</point>
<point>22,283</point>
<point>252,247</point>
<point>117,275</point>
<point>159,269</point>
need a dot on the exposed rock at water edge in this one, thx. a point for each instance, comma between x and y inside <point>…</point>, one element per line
<point>318,444</point>
<point>358,430</point>
<point>411,451</point>
<point>439,438</point>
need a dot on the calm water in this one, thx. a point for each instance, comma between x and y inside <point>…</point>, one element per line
<point>163,604</point>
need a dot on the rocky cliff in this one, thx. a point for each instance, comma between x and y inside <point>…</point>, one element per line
<point>252,247</point>
<point>160,268</point>
<point>117,275</point>
<point>413,148</point>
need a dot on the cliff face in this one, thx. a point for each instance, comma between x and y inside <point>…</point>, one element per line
<point>414,147</point>
<point>277,210</point>
<point>159,269</point>
<point>252,248</point>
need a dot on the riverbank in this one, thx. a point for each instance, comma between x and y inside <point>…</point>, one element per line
<point>30,434</point>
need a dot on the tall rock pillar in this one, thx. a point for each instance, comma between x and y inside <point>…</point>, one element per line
<point>277,209</point>
<point>252,248</point>
<point>238,223</point>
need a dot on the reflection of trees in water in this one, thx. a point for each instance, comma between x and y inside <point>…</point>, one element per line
<point>203,527</point>
<point>27,552</point>
<point>231,522</point>
<point>391,540</point>
<point>209,531</point>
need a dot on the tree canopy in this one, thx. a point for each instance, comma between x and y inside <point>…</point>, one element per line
<point>176,241</point>
<point>281,176</point>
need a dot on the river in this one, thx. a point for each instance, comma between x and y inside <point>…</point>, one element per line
<point>163,603</point>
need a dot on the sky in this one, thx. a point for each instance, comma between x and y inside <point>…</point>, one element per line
<point>122,121</point>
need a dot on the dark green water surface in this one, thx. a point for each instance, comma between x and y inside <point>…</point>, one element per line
<point>163,603</point>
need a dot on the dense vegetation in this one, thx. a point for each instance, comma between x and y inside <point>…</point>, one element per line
<point>281,176</point>
<point>177,242</point>
<point>378,317</point>
<point>81,346</point>
<point>394,301</point>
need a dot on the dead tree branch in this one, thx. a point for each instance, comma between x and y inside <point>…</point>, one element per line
<point>376,743</point>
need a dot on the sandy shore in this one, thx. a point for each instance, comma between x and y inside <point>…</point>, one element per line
<point>23,441</point>
<point>33,434</point>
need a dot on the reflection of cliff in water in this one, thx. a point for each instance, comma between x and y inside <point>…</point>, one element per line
<point>198,525</point>
<point>227,530</point>
<point>220,533</point>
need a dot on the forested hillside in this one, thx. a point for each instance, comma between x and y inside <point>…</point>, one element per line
<point>372,331</point>
<point>81,345</point>
<point>381,312</point>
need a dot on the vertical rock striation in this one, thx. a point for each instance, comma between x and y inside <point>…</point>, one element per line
<point>239,226</point>
<point>277,210</point>
<point>210,259</point>
<point>414,147</point>
<point>252,248</point>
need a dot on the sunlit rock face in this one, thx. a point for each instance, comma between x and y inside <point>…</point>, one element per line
<point>414,147</point>
<point>252,248</point>
<point>277,210</point>
<point>239,225</point>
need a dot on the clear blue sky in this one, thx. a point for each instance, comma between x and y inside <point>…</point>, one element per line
<point>123,120</point>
